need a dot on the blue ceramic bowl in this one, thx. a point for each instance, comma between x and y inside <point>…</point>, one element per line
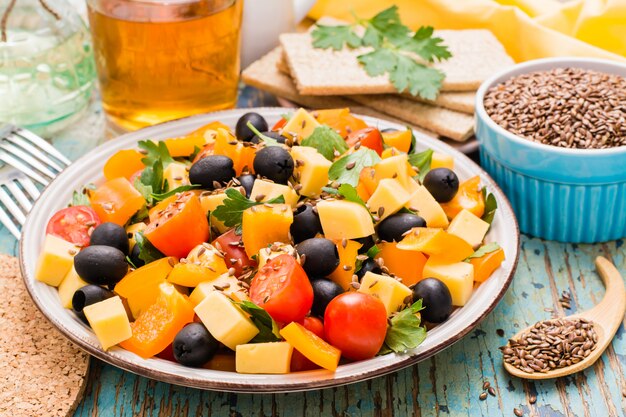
<point>568,195</point>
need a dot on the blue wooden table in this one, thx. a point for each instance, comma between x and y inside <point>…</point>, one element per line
<point>448,384</point>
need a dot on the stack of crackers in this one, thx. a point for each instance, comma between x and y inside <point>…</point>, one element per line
<point>325,78</point>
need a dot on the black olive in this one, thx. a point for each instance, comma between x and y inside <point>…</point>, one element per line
<point>242,130</point>
<point>101,265</point>
<point>274,135</point>
<point>134,257</point>
<point>306,223</point>
<point>389,130</point>
<point>436,299</point>
<point>247,182</point>
<point>86,296</point>
<point>368,265</point>
<point>210,170</point>
<point>324,290</point>
<point>442,183</point>
<point>110,234</point>
<point>194,345</point>
<point>321,256</point>
<point>393,227</point>
<point>366,243</point>
<point>275,163</point>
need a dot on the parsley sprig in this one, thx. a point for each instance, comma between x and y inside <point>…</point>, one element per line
<point>491,205</point>
<point>326,141</point>
<point>268,329</point>
<point>230,212</point>
<point>394,48</point>
<point>347,169</point>
<point>405,331</point>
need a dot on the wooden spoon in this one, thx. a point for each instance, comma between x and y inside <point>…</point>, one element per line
<point>606,317</point>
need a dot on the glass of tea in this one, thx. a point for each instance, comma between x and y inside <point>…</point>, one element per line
<point>160,60</point>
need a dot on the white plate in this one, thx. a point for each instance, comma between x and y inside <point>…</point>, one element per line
<point>89,169</point>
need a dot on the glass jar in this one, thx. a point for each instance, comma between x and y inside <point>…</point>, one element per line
<point>47,71</point>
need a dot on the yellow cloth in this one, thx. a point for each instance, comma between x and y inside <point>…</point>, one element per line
<point>528,29</point>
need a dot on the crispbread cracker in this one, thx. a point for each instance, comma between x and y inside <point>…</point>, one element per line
<point>264,74</point>
<point>462,101</point>
<point>448,123</point>
<point>476,54</point>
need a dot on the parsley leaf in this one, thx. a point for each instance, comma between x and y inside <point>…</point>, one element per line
<point>394,51</point>
<point>182,188</point>
<point>268,329</point>
<point>155,151</point>
<point>483,250</point>
<point>491,206</point>
<point>405,331</point>
<point>347,169</point>
<point>151,181</point>
<point>81,198</point>
<point>326,141</point>
<point>348,192</point>
<point>421,161</point>
<point>230,212</point>
<point>266,139</point>
<point>373,251</point>
<point>335,37</point>
<point>147,252</point>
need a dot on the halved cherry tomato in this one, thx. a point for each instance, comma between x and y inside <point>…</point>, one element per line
<point>179,227</point>
<point>299,362</point>
<point>156,327</point>
<point>73,224</point>
<point>469,197</point>
<point>116,201</point>
<point>234,253</point>
<point>340,120</point>
<point>356,324</point>
<point>123,163</point>
<point>279,124</point>
<point>369,137</point>
<point>206,151</point>
<point>167,354</point>
<point>283,289</point>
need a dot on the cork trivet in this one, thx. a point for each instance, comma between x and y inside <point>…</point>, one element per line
<point>41,372</point>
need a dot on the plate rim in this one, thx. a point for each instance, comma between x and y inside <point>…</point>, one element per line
<point>403,360</point>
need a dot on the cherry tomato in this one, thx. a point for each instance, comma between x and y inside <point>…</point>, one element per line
<point>299,362</point>
<point>283,289</point>
<point>167,354</point>
<point>369,137</point>
<point>73,224</point>
<point>234,254</point>
<point>205,151</point>
<point>279,124</point>
<point>356,324</point>
<point>179,227</point>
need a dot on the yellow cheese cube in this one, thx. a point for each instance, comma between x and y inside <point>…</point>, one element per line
<point>68,287</point>
<point>311,170</point>
<point>392,293</point>
<point>55,260</point>
<point>344,219</point>
<point>229,285</point>
<point>264,190</point>
<point>264,358</point>
<point>210,203</point>
<point>458,277</point>
<point>300,126</point>
<point>276,249</point>
<point>131,230</point>
<point>390,195</point>
<point>225,321</point>
<point>426,205</point>
<point>469,227</point>
<point>176,175</point>
<point>441,160</point>
<point>109,321</point>
<point>393,167</point>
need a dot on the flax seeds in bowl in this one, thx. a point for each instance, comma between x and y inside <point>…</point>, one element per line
<point>568,107</point>
<point>551,133</point>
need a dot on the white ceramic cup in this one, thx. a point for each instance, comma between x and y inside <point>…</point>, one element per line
<point>264,21</point>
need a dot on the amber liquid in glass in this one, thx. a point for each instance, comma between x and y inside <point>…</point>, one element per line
<point>158,62</point>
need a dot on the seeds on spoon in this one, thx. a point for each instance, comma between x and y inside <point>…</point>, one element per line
<point>551,344</point>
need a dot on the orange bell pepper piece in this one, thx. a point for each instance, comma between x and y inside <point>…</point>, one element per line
<point>140,288</point>
<point>185,145</point>
<point>469,197</point>
<point>486,264</point>
<point>204,263</point>
<point>432,241</point>
<point>179,227</point>
<point>158,325</point>
<point>406,264</point>
<point>347,257</point>
<point>313,347</point>
<point>263,225</point>
<point>116,201</point>
<point>242,156</point>
<point>124,163</point>
<point>341,120</point>
<point>399,139</point>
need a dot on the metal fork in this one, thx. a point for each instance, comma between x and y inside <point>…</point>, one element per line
<point>31,159</point>
<point>30,154</point>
